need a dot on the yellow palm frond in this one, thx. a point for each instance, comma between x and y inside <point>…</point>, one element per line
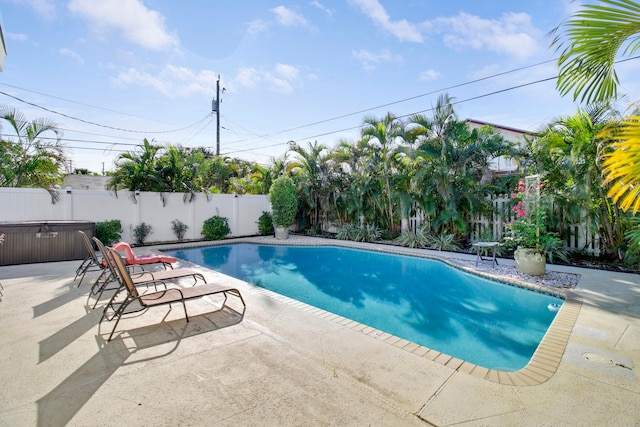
<point>621,166</point>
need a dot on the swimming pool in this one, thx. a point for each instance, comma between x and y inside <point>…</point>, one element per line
<point>425,301</point>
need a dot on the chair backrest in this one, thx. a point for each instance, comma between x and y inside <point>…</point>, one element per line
<point>87,244</point>
<point>106,257</point>
<point>123,273</point>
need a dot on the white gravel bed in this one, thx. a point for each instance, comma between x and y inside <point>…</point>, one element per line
<point>553,279</point>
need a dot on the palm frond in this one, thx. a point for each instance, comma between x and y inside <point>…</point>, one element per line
<point>589,43</point>
<point>622,165</point>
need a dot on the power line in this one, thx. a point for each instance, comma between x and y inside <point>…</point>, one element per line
<point>96,149</point>
<point>196,132</point>
<point>98,124</point>
<point>415,97</point>
<point>470,82</point>
<point>63,140</point>
<point>98,134</point>
<point>74,102</point>
<point>410,114</point>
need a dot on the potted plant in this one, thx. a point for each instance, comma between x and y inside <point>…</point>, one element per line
<point>529,235</point>
<point>284,205</point>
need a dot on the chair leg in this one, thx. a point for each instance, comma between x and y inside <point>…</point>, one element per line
<point>81,268</point>
<point>98,293</point>
<point>184,305</point>
<point>82,273</point>
<point>119,313</point>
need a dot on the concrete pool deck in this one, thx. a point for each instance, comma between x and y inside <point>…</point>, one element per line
<point>285,363</point>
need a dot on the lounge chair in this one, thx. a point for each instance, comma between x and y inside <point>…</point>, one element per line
<point>153,299</point>
<point>132,259</point>
<point>91,262</point>
<point>144,278</point>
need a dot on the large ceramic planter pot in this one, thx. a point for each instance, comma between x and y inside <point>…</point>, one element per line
<point>530,261</point>
<point>282,233</point>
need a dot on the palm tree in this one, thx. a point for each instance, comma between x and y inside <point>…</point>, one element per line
<point>568,153</point>
<point>589,43</point>
<point>178,171</point>
<point>32,160</point>
<point>454,161</point>
<point>354,194</point>
<point>382,135</point>
<point>136,170</point>
<point>312,171</point>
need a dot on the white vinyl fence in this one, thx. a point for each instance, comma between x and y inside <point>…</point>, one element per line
<point>29,204</point>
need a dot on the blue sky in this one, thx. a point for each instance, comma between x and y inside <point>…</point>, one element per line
<point>113,72</point>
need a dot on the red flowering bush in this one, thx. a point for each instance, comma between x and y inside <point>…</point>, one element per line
<point>528,229</point>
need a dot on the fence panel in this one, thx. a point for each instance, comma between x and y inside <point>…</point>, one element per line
<point>249,210</point>
<point>28,204</point>
<point>577,236</point>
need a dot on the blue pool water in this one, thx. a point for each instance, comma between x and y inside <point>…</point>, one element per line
<point>421,300</point>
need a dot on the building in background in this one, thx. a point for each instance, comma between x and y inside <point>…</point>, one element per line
<point>504,165</point>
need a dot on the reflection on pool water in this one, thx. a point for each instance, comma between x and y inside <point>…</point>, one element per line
<point>425,301</point>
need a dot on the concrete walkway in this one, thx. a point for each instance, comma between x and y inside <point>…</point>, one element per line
<point>285,363</point>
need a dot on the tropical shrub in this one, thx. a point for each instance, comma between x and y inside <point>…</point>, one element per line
<point>410,239</point>
<point>346,232</point>
<point>359,232</point>
<point>265,224</point>
<point>179,228</point>
<point>141,232</point>
<point>284,201</point>
<point>315,230</point>
<point>109,232</point>
<point>368,233</point>
<point>215,228</point>
<point>443,242</point>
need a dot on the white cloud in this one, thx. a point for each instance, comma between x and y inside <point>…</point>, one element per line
<point>278,84</point>
<point>371,60</point>
<point>71,54</point>
<point>172,81</point>
<point>132,18</point>
<point>512,34</point>
<point>429,75</point>
<point>288,17</point>
<point>282,78</point>
<point>248,77</point>
<point>257,26</point>
<point>17,36</point>
<point>403,30</point>
<point>289,72</point>
<point>322,7</point>
<point>45,8</point>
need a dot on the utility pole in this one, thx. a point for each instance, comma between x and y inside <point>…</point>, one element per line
<point>215,106</point>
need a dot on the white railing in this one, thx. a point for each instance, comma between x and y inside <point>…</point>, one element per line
<point>30,204</point>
